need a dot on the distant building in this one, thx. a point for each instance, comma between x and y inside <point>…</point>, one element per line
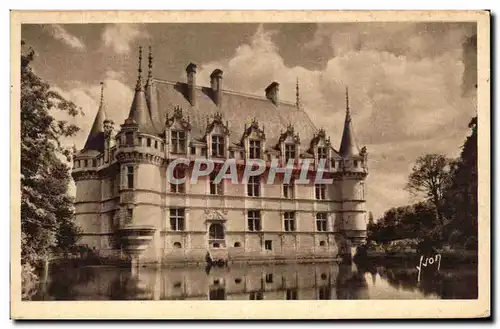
<point>121,179</point>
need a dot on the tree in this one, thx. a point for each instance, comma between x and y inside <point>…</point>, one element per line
<point>430,176</point>
<point>47,217</point>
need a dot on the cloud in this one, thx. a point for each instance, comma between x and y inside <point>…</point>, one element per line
<point>60,33</point>
<point>117,100</point>
<point>119,37</point>
<point>405,85</point>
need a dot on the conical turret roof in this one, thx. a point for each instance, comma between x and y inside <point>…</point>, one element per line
<point>95,140</point>
<point>139,110</point>
<point>348,145</point>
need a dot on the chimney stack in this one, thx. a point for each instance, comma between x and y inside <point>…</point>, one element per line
<point>216,84</point>
<point>273,93</point>
<point>191,83</point>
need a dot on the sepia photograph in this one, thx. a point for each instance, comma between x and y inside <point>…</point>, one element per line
<point>250,157</point>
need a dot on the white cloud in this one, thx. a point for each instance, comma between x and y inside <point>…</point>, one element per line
<point>117,100</point>
<point>60,33</point>
<point>405,101</point>
<point>120,36</point>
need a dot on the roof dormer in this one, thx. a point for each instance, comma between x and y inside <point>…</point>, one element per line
<point>253,140</point>
<point>217,136</point>
<point>177,132</point>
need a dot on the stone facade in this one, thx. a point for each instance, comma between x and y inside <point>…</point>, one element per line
<point>121,178</point>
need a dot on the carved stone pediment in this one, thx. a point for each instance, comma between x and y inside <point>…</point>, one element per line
<point>289,136</point>
<point>177,121</point>
<point>253,131</point>
<point>216,125</point>
<point>214,215</point>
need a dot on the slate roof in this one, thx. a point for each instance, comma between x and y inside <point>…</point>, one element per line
<point>238,109</point>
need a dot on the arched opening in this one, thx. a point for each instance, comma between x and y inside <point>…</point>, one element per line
<point>237,244</point>
<point>322,243</point>
<point>216,235</point>
<point>177,245</point>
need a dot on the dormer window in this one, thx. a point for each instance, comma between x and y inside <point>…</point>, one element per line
<point>178,141</point>
<point>290,151</point>
<point>217,146</point>
<point>254,149</point>
<point>322,152</point>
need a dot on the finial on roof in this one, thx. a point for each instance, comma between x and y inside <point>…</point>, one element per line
<point>139,77</point>
<point>102,92</point>
<point>297,94</point>
<point>347,99</point>
<point>150,64</point>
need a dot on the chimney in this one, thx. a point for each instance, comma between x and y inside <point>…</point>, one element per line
<point>216,84</point>
<point>191,83</point>
<point>273,92</point>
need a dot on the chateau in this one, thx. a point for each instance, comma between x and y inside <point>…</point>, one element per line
<point>126,205</point>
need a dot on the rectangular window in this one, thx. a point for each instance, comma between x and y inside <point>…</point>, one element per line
<point>289,151</point>
<point>130,215</point>
<point>217,146</point>
<point>288,190</point>
<point>254,221</point>
<point>322,152</point>
<point>268,244</point>
<point>321,222</point>
<point>130,177</point>
<point>139,141</point>
<point>178,142</point>
<point>94,163</point>
<point>148,142</point>
<point>178,188</point>
<point>257,295</point>
<point>204,151</point>
<point>156,144</point>
<point>290,221</point>
<point>254,149</point>
<point>215,189</point>
<point>129,139</point>
<point>253,186</point>
<point>193,150</point>
<point>269,276</point>
<point>291,294</point>
<point>177,219</point>
<point>86,163</point>
<point>320,191</point>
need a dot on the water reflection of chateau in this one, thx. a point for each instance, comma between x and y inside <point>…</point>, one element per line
<point>279,282</point>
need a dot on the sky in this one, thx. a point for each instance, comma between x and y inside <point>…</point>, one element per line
<point>411,85</point>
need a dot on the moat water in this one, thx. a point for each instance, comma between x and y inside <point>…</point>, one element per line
<point>244,282</point>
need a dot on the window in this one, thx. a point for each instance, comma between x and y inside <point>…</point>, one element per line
<point>258,295</point>
<point>130,215</point>
<point>253,186</point>
<point>216,232</point>
<point>289,151</point>
<point>177,245</point>
<point>289,221</point>
<point>291,294</point>
<point>130,177</point>
<point>320,191</point>
<point>178,142</point>
<point>237,244</point>
<point>129,139</point>
<point>156,144</point>
<point>139,141</point>
<point>254,220</point>
<point>269,278</point>
<point>322,152</point>
<point>254,149</point>
<point>215,189</point>
<point>148,142</point>
<point>268,245</point>
<point>193,149</point>
<point>324,293</point>
<point>177,219</point>
<point>322,243</point>
<point>94,163</point>
<point>86,163</point>
<point>355,162</point>
<point>217,146</point>
<point>204,151</point>
<point>178,188</point>
<point>288,190</point>
<point>321,222</point>
<point>362,190</point>
<point>231,154</point>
